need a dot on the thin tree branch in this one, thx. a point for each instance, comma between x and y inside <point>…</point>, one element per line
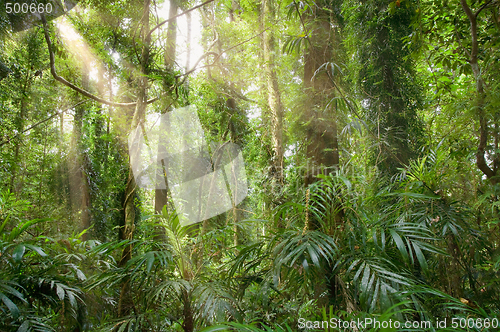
<point>174,17</point>
<point>193,68</point>
<point>473,28</point>
<point>219,55</point>
<point>197,62</point>
<point>483,7</point>
<point>71,85</point>
<point>42,121</point>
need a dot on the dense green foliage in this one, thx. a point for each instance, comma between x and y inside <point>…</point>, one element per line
<point>370,132</point>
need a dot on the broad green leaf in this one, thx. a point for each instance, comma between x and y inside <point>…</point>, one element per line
<point>313,255</point>
<point>80,275</point>
<point>216,328</point>
<point>36,249</point>
<point>71,298</point>
<point>60,292</point>
<point>14,310</point>
<point>420,257</point>
<point>150,257</point>
<point>11,290</point>
<point>18,252</point>
<point>24,326</point>
<point>365,279</point>
<point>400,244</point>
<point>23,226</point>
<point>4,223</point>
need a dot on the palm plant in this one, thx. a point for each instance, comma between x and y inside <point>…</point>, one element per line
<point>34,285</point>
<point>371,249</point>
<point>174,285</point>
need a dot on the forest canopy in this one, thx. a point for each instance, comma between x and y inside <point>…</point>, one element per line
<point>249,165</point>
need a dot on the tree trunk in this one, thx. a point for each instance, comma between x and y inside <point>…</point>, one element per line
<point>161,195</point>
<point>481,162</point>
<point>20,128</point>
<point>189,22</point>
<point>85,204</point>
<point>125,301</point>
<point>455,288</point>
<point>274,98</point>
<point>80,190</point>
<point>171,46</point>
<point>321,128</point>
<point>19,123</point>
<point>188,323</point>
<point>320,118</point>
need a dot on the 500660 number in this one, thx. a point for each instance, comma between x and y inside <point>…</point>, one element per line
<point>25,8</point>
<point>475,323</point>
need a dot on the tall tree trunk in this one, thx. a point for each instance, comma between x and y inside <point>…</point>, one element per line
<point>20,128</point>
<point>189,23</point>
<point>232,10</point>
<point>453,267</point>
<point>85,204</point>
<point>319,115</point>
<point>273,97</point>
<point>321,128</point>
<point>80,190</point>
<point>161,195</point>
<point>19,123</point>
<point>231,105</point>
<point>125,302</point>
<point>491,173</point>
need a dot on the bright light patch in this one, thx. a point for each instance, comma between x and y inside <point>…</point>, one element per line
<point>183,44</point>
<point>78,47</point>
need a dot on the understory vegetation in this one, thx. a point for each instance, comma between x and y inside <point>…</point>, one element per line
<point>356,144</point>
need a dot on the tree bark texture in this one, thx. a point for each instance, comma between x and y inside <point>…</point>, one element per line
<point>125,301</point>
<point>320,121</point>
<point>80,189</point>
<point>19,122</point>
<point>161,195</point>
<point>321,127</point>
<point>482,164</point>
<point>273,93</point>
<point>188,323</point>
